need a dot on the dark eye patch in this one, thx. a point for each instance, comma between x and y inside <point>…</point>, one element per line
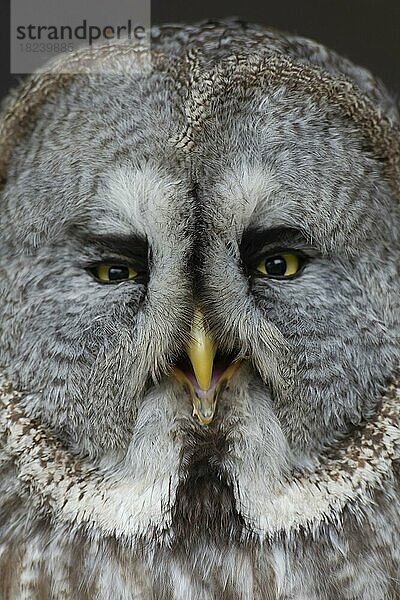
<point>120,252</point>
<point>257,243</point>
<point>134,248</point>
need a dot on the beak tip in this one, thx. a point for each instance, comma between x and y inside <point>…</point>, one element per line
<point>204,409</point>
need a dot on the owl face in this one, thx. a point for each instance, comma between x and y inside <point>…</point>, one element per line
<point>278,230</point>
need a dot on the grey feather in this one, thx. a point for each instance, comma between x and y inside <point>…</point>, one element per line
<point>110,487</point>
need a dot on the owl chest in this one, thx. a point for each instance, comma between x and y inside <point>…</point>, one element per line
<point>55,565</point>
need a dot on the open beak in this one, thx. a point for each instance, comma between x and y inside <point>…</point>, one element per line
<point>203,373</point>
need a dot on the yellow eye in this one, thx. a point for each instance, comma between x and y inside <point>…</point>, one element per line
<point>280,265</point>
<point>113,273</point>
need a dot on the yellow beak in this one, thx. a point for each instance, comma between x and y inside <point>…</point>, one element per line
<point>205,385</point>
<point>201,351</point>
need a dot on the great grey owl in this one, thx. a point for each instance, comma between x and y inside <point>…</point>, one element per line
<point>200,324</point>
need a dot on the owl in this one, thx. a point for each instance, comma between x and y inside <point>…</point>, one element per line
<point>200,323</point>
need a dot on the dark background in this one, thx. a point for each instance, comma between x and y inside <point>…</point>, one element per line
<point>366,31</point>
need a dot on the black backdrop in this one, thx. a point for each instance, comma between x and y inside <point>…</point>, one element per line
<point>366,31</point>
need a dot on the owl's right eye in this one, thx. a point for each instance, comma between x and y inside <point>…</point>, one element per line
<point>110,273</point>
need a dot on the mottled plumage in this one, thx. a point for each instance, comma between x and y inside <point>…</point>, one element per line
<point>193,164</point>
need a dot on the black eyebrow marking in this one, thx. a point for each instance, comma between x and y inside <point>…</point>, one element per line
<point>258,241</point>
<point>131,247</point>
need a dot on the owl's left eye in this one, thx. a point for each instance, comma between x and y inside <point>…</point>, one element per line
<point>281,266</point>
<point>109,273</point>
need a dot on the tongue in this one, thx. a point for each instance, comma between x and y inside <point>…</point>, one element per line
<point>218,371</point>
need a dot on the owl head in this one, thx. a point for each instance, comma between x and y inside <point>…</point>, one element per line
<point>200,257</point>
